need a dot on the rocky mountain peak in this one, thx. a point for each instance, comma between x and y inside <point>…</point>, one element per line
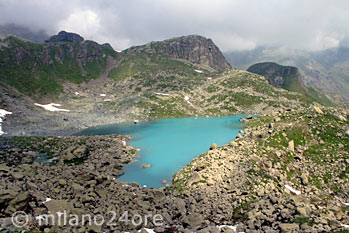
<point>64,36</point>
<point>196,49</point>
<point>107,46</point>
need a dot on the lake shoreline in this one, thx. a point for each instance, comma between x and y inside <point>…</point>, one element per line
<point>160,156</point>
<point>33,123</point>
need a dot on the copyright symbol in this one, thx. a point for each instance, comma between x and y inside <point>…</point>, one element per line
<point>20,219</point>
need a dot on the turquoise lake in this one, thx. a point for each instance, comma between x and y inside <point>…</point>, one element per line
<point>169,144</point>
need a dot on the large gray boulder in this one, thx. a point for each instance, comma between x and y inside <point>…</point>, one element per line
<point>54,206</point>
<point>195,178</point>
<point>194,221</point>
<point>19,203</point>
<point>289,227</point>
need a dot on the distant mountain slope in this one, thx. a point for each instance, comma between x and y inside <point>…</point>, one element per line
<point>325,70</point>
<point>287,77</point>
<point>335,63</point>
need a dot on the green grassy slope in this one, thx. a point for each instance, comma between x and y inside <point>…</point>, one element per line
<point>161,93</point>
<point>39,69</point>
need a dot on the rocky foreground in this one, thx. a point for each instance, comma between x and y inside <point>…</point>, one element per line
<point>80,179</point>
<point>286,172</point>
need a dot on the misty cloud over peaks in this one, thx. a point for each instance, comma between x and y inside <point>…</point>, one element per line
<point>231,24</point>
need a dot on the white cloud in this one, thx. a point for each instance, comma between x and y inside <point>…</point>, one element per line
<point>234,42</point>
<point>232,24</point>
<point>84,22</point>
<point>322,42</point>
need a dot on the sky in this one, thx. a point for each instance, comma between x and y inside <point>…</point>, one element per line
<point>231,24</point>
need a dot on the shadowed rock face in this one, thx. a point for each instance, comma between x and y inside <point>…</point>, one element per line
<point>196,49</point>
<point>276,74</point>
<point>64,36</point>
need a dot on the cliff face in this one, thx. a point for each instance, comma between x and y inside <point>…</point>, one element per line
<point>196,49</point>
<point>51,53</point>
<point>277,75</point>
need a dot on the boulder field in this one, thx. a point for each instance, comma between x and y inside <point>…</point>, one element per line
<point>286,172</point>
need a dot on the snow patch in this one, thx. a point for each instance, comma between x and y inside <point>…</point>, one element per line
<point>3,113</point>
<point>209,78</point>
<point>52,107</point>
<point>228,226</point>
<point>148,230</point>
<point>186,98</point>
<point>234,228</point>
<point>51,160</point>
<point>198,71</point>
<point>102,95</point>
<point>158,93</point>
<point>107,100</point>
<point>47,200</point>
<point>76,93</point>
<point>345,226</point>
<point>293,190</point>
